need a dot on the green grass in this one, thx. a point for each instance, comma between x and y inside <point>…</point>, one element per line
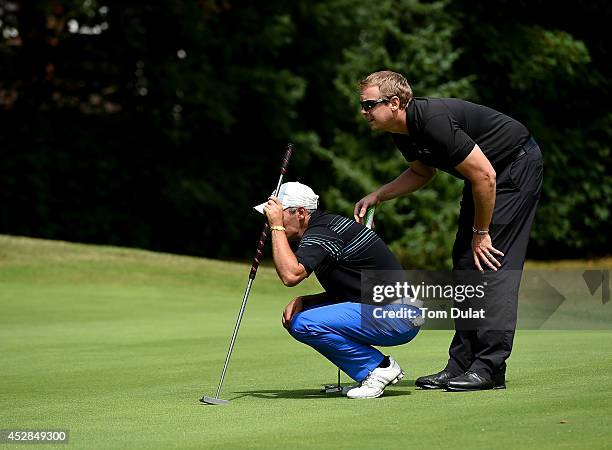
<point>118,345</point>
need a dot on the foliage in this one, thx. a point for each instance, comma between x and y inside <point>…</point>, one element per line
<point>159,124</point>
<point>413,38</point>
<point>551,72</point>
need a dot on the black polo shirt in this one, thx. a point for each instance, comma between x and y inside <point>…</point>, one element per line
<point>443,132</point>
<point>338,249</point>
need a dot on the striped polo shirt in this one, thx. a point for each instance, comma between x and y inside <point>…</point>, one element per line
<point>338,250</point>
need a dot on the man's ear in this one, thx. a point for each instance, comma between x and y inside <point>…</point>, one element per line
<point>301,212</point>
<point>394,102</point>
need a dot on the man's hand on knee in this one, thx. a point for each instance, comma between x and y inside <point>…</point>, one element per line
<point>292,308</point>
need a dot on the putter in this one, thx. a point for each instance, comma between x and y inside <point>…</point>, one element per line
<point>333,388</point>
<point>258,253</point>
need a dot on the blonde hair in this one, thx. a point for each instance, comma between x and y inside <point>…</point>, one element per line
<point>390,84</point>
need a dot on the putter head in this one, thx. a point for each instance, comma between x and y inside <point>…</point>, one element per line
<point>331,389</point>
<point>213,401</point>
<point>334,388</point>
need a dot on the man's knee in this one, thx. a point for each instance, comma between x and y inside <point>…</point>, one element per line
<point>299,328</point>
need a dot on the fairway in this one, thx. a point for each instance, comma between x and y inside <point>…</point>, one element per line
<point>118,345</point>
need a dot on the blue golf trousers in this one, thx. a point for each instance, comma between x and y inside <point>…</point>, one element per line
<point>345,333</point>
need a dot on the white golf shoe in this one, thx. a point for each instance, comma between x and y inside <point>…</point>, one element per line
<point>375,383</point>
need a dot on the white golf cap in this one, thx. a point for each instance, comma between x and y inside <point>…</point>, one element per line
<point>293,195</point>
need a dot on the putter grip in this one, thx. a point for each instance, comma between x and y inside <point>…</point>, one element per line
<point>259,252</point>
<point>286,158</point>
<point>264,233</point>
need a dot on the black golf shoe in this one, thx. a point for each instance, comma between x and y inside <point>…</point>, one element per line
<point>472,381</point>
<point>434,381</point>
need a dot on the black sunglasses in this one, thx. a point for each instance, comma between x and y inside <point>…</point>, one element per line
<point>367,105</point>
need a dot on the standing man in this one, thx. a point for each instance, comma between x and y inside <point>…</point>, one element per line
<point>338,323</point>
<point>501,165</point>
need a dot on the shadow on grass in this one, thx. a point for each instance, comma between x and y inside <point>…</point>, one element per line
<point>307,394</point>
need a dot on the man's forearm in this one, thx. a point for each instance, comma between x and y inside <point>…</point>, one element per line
<point>285,261</point>
<point>483,193</point>
<point>409,181</point>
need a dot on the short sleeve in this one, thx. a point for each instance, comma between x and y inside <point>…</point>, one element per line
<point>317,244</point>
<point>448,138</point>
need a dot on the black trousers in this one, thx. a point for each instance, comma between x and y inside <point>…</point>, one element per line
<point>484,345</point>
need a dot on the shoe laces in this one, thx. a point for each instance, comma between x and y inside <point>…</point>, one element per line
<point>471,372</point>
<point>372,380</point>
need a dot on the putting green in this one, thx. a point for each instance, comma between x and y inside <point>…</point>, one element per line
<point>118,345</point>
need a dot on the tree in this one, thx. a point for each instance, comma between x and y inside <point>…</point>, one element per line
<point>552,72</point>
<point>413,38</point>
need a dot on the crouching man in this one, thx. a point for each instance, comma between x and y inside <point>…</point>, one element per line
<point>339,323</point>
